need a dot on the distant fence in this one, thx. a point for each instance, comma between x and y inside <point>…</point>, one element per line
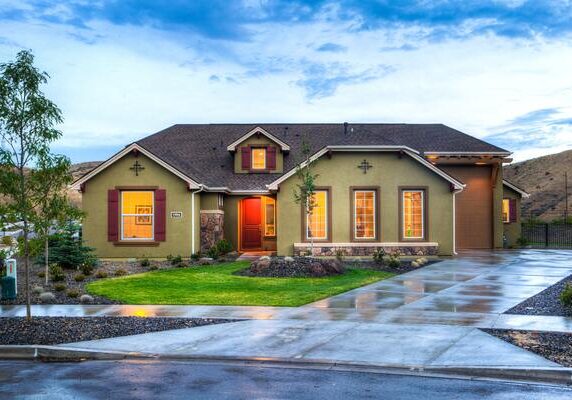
<point>548,235</point>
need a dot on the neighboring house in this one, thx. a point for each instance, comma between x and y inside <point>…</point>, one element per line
<point>417,188</point>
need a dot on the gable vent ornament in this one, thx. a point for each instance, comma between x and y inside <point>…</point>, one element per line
<point>137,167</point>
<point>365,165</point>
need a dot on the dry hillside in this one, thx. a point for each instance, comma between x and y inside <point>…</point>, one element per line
<point>77,171</point>
<point>543,178</point>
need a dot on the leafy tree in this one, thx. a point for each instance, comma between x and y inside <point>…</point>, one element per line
<point>54,209</point>
<point>305,190</point>
<point>27,127</point>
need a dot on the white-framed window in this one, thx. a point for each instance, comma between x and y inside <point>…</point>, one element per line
<point>364,214</point>
<point>317,222</point>
<point>258,158</point>
<point>269,217</point>
<point>505,210</point>
<point>137,215</point>
<point>413,214</point>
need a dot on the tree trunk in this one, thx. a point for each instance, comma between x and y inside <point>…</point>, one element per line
<point>27,271</point>
<point>46,254</point>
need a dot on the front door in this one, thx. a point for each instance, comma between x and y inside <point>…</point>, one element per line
<point>251,227</point>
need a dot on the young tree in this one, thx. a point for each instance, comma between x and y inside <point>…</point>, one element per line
<point>54,209</point>
<point>305,190</point>
<point>27,127</point>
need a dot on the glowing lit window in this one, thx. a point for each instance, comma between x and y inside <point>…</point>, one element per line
<point>269,217</point>
<point>413,214</point>
<point>258,158</point>
<point>364,214</point>
<point>137,215</point>
<point>506,210</point>
<point>317,220</point>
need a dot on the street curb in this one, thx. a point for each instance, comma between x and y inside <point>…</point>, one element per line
<point>557,375</point>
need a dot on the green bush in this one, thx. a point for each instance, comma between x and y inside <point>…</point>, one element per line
<point>522,241</point>
<point>175,261</point>
<point>195,256</point>
<point>223,247</point>
<point>41,274</point>
<point>57,273</point>
<point>86,269</point>
<point>67,250</point>
<point>100,274</point>
<point>213,253</point>
<point>60,287</point>
<point>379,256</point>
<point>153,267</point>
<point>340,254</point>
<point>7,240</point>
<point>120,272</point>
<point>73,293</point>
<point>566,295</point>
<point>144,262</point>
<point>79,277</point>
<point>393,261</point>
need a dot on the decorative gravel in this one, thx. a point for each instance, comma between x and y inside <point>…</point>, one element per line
<point>57,330</point>
<point>554,346</point>
<point>546,302</point>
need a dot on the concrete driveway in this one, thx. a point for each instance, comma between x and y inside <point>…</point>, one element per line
<point>424,318</point>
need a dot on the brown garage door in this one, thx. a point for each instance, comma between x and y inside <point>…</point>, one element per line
<point>474,208</point>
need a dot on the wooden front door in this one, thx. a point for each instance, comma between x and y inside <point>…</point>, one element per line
<point>251,224</point>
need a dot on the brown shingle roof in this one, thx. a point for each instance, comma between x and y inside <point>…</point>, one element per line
<point>200,150</point>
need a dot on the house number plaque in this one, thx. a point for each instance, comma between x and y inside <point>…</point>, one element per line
<point>176,214</point>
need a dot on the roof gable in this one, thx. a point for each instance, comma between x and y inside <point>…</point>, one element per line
<point>258,131</point>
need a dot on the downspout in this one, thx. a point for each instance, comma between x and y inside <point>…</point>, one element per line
<point>201,188</point>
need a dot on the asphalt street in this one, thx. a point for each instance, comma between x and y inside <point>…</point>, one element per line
<point>193,380</point>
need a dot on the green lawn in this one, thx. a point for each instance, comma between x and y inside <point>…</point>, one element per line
<point>216,285</point>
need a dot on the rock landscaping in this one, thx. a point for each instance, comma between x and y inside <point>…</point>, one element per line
<point>554,346</point>
<point>289,267</point>
<point>546,302</point>
<point>57,330</point>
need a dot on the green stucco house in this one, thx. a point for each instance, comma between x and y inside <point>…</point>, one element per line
<point>422,189</point>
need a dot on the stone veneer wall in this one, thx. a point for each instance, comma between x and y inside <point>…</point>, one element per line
<point>212,228</point>
<point>330,249</point>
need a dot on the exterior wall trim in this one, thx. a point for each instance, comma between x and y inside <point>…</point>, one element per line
<point>371,244</point>
<point>283,146</point>
<point>212,212</point>
<point>468,153</point>
<point>407,150</point>
<point>134,146</point>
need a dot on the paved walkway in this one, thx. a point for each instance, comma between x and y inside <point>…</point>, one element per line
<point>424,318</point>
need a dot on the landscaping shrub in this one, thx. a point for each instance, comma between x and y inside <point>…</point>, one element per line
<point>57,273</point>
<point>79,277</point>
<point>41,274</point>
<point>340,254</point>
<point>7,240</point>
<point>566,295</point>
<point>175,261</point>
<point>144,262</point>
<point>47,298</point>
<point>223,247</point>
<point>67,250</point>
<point>37,289</point>
<point>73,293</point>
<point>153,267</point>
<point>213,253</point>
<point>379,256</point>
<point>120,272</point>
<point>195,256</point>
<point>86,299</point>
<point>101,274</point>
<point>60,287</point>
<point>522,241</point>
<point>86,269</point>
<point>393,261</point>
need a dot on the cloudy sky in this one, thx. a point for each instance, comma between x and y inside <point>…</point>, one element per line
<point>122,69</point>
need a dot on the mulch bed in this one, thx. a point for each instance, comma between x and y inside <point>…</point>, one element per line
<point>546,302</point>
<point>57,330</point>
<point>555,346</point>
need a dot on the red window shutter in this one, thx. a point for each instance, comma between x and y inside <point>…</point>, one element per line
<point>112,215</point>
<point>245,151</point>
<point>160,215</point>
<point>512,210</point>
<point>271,157</point>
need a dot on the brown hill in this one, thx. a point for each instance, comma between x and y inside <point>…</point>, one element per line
<point>543,178</point>
<point>77,171</point>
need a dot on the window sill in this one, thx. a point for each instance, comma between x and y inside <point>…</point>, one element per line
<point>137,243</point>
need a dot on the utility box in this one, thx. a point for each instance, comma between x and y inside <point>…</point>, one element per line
<point>11,271</point>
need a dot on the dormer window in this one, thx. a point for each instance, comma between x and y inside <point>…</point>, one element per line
<point>258,161</point>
